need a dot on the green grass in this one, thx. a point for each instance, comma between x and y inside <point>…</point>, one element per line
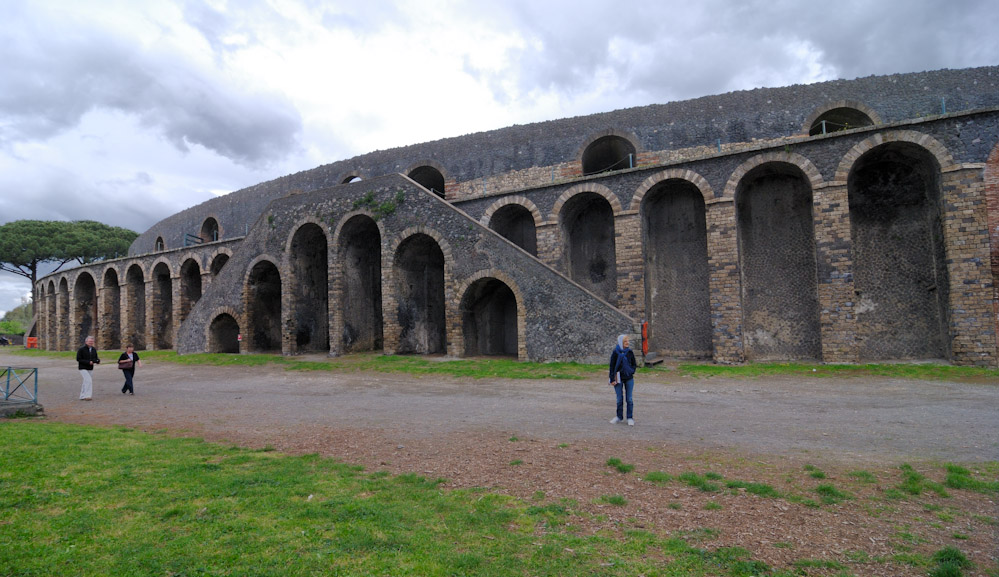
<point>78,500</point>
<point>620,466</point>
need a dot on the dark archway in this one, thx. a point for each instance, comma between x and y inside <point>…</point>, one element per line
<point>190,288</point>
<point>608,154</point>
<point>360,256</point>
<point>587,223</point>
<point>837,119</point>
<point>430,178</point>
<point>111,311</point>
<point>263,307</point>
<point>516,224</point>
<point>677,297</point>
<point>210,230</point>
<point>135,300</point>
<point>85,301</point>
<point>489,319</point>
<point>419,273</point>
<point>160,245</point>
<point>900,267</point>
<point>62,299</point>
<point>777,254</point>
<point>223,335</point>
<point>218,262</point>
<point>162,307</point>
<point>51,326</point>
<point>309,262</point>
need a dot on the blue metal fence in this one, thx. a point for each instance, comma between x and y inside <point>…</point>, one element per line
<point>20,384</point>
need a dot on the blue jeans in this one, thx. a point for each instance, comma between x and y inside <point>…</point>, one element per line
<point>128,381</point>
<point>621,391</point>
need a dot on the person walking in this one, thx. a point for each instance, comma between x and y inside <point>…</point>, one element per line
<point>128,362</point>
<point>622,378</point>
<point>86,358</point>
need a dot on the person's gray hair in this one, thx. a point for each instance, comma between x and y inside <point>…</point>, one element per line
<point>620,340</point>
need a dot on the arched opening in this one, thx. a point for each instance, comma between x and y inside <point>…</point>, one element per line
<point>900,270</point>
<point>489,319</point>
<point>135,297</point>
<point>223,335</point>
<point>350,179</point>
<point>85,301</point>
<point>361,285</point>
<point>160,245</point>
<point>63,313</point>
<point>777,254</point>
<point>419,273</point>
<point>607,154</point>
<point>209,230</point>
<point>677,297</point>
<point>218,262</point>
<point>111,311</point>
<point>516,224</point>
<point>429,178</point>
<point>52,315</point>
<point>837,119</point>
<point>190,288</point>
<point>263,307</point>
<point>587,223</point>
<point>162,307</point>
<point>310,289</point>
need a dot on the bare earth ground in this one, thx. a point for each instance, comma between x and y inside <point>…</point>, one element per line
<point>552,438</point>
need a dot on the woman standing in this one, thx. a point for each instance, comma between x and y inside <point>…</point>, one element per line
<point>622,377</point>
<point>128,362</point>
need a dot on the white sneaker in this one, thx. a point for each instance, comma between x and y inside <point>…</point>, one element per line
<point>615,421</point>
<point>631,422</point>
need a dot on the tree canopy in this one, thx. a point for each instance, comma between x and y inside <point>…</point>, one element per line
<point>24,244</point>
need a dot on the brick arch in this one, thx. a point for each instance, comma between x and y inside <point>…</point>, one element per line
<point>582,188</point>
<point>392,281</point>
<point>430,164</point>
<point>293,230</point>
<point>810,171</point>
<point>432,233</point>
<point>347,175</point>
<point>338,229</point>
<point>672,174</point>
<point>215,314</point>
<point>631,137</point>
<point>218,222</point>
<point>277,262</point>
<point>932,145</point>
<point>166,261</point>
<point>357,319</point>
<point>308,287</point>
<point>854,104</point>
<point>518,295</point>
<point>515,199</point>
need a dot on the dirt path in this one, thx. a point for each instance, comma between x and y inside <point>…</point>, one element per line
<point>552,437</point>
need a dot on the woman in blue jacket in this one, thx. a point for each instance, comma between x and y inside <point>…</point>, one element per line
<point>622,377</point>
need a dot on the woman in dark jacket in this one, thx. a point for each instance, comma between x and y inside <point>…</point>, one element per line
<point>128,369</point>
<point>622,377</point>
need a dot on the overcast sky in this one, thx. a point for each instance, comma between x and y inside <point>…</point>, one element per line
<point>127,112</point>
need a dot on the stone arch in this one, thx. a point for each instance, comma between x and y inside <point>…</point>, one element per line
<point>51,328</point>
<point>609,151</point>
<point>307,253</point>
<point>776,241</point>
<point>161,278</point>
<point>695,179</point>
<point>352,176</point>
<point>677,272</point>
<point>210,230</point>
<point>218,260</point>
<point>159,245</point>
<point>900,271</point>
<point>190,287</point>
<point>840,115</point>
<point>516,219</point>
<point>262,303</point>
<point>811,173</point>
<point>586,223</point>
<point>62,315</point>
<point>222,334</point>
<point>111,310</point>
<point>932,145</point>
<point>420,279</point>
<point>359,283</point>
<point>135,302</point>
<point>491,316</point>
<point>593,187</point>
<point>84,307</point>
<point>428,174</point>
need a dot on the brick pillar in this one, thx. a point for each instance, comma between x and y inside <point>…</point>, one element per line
<point>51,341</point>
<point>391,331</point>
<point>630,265</point>
<point>992,210</point>
<point>549,246</point>
<point>124,314</point>
<point>149,296</point>
<point>966,234</point>
<point>724,282</point>
<point>834,264</point>
<point>175,297</point>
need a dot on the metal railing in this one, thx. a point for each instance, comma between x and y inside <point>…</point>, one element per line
<point>24,381</point>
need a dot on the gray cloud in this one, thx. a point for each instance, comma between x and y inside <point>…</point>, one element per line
<point>56,71</point>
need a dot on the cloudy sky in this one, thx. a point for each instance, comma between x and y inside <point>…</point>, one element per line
<point>126,112</point>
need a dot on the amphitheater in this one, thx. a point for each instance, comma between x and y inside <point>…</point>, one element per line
<point>844,221</point>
